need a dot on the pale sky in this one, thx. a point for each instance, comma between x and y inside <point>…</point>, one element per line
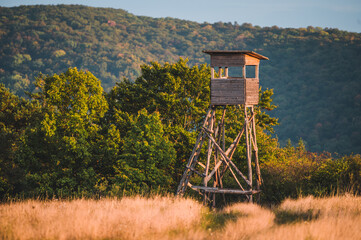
<point>341,14</point>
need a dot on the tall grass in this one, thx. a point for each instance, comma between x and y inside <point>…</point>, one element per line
<point>157,217</point>
<point>126,218</point>
<point>337,217</point>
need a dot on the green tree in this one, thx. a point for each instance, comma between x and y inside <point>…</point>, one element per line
<point>73,104</point>
<point>18,117</point>
<point>147,158</point>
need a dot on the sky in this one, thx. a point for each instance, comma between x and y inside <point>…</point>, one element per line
<point>341,14</point>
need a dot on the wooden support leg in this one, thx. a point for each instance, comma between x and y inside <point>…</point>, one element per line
<point>248,152</point>
<point>209,154</point>
<point>256,160</point>
<point>193,158</point>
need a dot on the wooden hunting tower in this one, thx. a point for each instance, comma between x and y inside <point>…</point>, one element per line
<point>243,92</point>
<point>234,90</point>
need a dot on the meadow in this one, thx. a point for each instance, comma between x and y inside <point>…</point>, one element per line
<point>159,217</point>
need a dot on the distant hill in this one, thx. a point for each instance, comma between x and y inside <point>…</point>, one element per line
<point>315,72</point>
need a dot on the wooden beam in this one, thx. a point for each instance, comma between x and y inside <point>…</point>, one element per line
<point>225,157</point>
<point>257,71</point>
<point>248,148</point>
<point>224,190</point>
<point>256,161</point>
<point>209,153</point>
<point>193,158</point>
<point>196,172</point>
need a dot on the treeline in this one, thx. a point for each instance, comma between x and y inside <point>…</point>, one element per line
<point>70,138</point>
<point>315,72</point>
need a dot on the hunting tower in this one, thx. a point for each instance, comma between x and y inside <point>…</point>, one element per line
<point>242,91</point>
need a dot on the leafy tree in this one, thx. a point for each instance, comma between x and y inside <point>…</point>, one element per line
<point>17,117</point>
<point>147,157</point>
<point>180,93</point>
<point>73,104</point>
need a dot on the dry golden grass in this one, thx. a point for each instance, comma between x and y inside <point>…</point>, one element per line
<point>172,218</point>
<point>127,218</point>
<point>337,217</point>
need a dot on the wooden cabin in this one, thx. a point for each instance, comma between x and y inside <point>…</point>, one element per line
<point>234,90</point>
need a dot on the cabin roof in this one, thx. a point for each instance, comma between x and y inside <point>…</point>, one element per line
<point>238,52</point>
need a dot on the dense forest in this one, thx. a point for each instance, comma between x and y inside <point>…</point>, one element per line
<point>315,72</point>
<point>97,101</point>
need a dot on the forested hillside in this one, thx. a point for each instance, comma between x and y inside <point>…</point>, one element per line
<point>315,73</point>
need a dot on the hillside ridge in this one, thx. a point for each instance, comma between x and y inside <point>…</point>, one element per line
<point>314,72</point>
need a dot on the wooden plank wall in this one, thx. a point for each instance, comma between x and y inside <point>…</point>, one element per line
<point>252,91</point>
<point>233,60</point>
<point>234,91</point>
<point>227,91</point>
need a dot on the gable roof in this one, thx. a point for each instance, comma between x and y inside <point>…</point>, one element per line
<point>240,52</point>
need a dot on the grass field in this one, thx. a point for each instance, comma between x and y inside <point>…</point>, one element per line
<point>330,218</point>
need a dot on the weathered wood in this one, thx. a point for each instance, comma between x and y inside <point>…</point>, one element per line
<point>239,52</point>
<point>258,170</point>
<point>226,90</point>
<point>234,91</point>
<point>225,158</point>
<point>257,72</point>
<point>234,176</point>
<point>223,190</point>
<point>188,173</point>
<point>232,148</point>
<point>249,60</point>
<point>196,172</point>
<point>234,58</point>
<point>220,72</point>
<point>210,175</point>
<point>191,185</point>
<point>191,161</point>
<point>209,153</point>
<point>248,152</point>
<point>251,91</point>
<point>201,164</point>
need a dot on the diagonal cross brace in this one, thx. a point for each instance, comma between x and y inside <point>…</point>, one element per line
<point>225,158</point>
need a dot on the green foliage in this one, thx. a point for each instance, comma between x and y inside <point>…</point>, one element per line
<point>74,101</point>
<point>293,172</point>
<point>52,153</point>
<point>17,118</point>
<point>178,92</point>
<point>147,158</point>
